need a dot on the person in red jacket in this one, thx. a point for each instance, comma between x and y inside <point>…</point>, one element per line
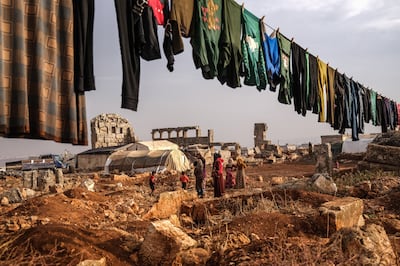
<point>184,180</point>
<point>217,174</point>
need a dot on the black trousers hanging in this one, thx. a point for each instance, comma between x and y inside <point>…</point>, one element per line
<point>299,78</point>
<point>130,54</point>
<point>83,45</point>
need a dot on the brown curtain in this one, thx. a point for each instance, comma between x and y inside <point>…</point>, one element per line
<point>37,72</point>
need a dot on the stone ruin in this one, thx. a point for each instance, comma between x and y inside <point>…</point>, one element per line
<point>383,153</point>
<point>110,130</point>
<point>183,136</point>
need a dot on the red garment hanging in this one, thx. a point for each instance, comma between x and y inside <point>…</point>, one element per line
<point>158,8</point>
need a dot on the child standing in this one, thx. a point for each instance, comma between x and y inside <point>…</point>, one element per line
<point>184,180</point>
<point>152,182</point>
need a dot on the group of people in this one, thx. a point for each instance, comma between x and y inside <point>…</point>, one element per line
<point>229,181</point>
<point>219,180</point>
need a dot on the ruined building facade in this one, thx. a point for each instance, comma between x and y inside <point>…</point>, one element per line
<point>110,130</point>
<point>183,136</point>
<point>260,134</point>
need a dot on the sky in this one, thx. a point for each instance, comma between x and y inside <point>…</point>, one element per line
<point>360,38</point>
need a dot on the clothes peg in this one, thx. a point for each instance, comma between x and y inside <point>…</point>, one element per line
<point>292,40</point>
<point>262,18</point>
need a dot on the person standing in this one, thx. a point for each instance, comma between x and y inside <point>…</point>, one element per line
<point>184,180</point>
<point>241,174</point>
<point>199,174</point>
<point>217,174</point>
<point>230,179</point>
<point>152,182</point>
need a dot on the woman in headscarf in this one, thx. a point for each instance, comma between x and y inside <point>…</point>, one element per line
<point>240,174</point>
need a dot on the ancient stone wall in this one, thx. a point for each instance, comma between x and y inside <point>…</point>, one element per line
<point>110,130</point>
<point>180,135</point>
<point>260,134</point>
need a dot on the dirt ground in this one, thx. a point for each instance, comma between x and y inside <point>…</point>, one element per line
<point>74,224</point>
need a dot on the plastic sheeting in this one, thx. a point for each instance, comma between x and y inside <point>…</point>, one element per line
<point>358,146</point>
<point>143,161</point>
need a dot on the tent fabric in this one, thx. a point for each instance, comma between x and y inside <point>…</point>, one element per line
<point>142,161</point>
<point>153,145</point>
<point>355,146</point>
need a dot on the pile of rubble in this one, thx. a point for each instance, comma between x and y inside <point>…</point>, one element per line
<point>383,153</point>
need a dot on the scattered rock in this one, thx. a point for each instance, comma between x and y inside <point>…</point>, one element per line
<point>100,262</point>
<point>162,243</point>
<point>323,183</point>
<point>169,203</point>
<point>88,184</point>
<point>277,180</point>
<point>369,245</point>
<point>5,201</point>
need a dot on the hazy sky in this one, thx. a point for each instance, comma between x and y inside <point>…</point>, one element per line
<point>360,37</point>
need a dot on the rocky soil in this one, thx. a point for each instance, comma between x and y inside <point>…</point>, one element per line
<point>120,223</point>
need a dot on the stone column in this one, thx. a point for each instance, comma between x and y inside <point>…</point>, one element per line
<point>323,157</point>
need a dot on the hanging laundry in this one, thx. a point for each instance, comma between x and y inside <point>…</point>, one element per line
<point>312,84</point>
<point>390,113</point>
<point>158,10</point>
<point>127,22</point>
<point>137,37</point>
<point>253,59</point>
<point>83,45</point>
<point>339,104</point>
<point>138,6</point>
<point>398,114</point>
<point>348,100</point>
<point>372,99</point>
<point>285,88</point>
<point>360,114</point>
<point>322,88</point>
<point>180,19</point>
<point>207,25</point>
<point>272,59</point>
<point>299,76</point>
<point>230,46</point>
<point>330,118</point>
<point>354,105</point>
<point>149,47</point>
<point>167,47</point>
<point>38,100</point>
<point>366,103</point>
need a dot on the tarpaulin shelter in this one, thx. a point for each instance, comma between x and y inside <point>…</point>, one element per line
<point>147,160</point>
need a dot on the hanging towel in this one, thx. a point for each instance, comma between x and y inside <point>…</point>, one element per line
<point>253,58</point>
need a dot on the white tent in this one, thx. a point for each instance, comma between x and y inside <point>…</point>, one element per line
<point>138,161</point>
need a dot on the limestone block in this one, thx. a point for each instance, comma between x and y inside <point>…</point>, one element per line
<point>369,245</point>
<point>169,204</point>
<point>342,213</point>
<point>324,184</point>
<point>383,154</point>
<point>323,155</point>
<point>163,242</point>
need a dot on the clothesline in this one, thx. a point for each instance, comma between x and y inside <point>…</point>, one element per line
<point>292,39</point>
